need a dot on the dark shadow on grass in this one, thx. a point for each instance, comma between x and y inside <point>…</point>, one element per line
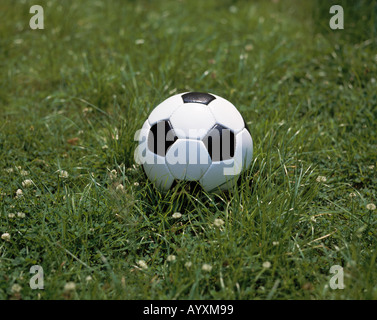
<point>183,197</point>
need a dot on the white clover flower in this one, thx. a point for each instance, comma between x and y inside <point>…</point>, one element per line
<point>63,174</point>
<point>119,187</point>
<point>188,264</point>
<point>171,258</point>
<point>16,288</point>
<point>218,223</point>
<point>136,184</point>
<point>233,9</point>
<point>243,56</point>
<point>352,195</point>
<point>21,214</point>
<point>177,215</point>
<point>321,179</point>
<point>275,243</point>
<point>11,215</point>
<point>88,279</point>
<point>142,264</point>
<point>249,47</point>
<point>87,110</point>
<point>70,286</point>
<point>19,193</point>
<point>206,267</point>
<point>371,206</point>
<point>113,174</point>
<point>24,173</point>
<point>139,41</point>
<point>116,136</point>
<point>5,236</point>
<point>266,264</point>
<point>27,183</point>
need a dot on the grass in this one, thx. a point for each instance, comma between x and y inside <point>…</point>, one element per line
<point>73,95</point>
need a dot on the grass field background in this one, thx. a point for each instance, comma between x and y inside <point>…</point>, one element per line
<point>73,95</point>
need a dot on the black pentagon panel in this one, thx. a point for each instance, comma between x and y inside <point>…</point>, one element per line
<point>198,97</point>
<point>161,137</point>
<point>220,143</point>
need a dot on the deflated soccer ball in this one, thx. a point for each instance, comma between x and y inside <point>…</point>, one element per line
<point>195,136</point>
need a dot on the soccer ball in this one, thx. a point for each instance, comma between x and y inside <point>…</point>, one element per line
<point>195,136</point>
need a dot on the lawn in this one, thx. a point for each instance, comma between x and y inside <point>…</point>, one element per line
<point>73,201</point>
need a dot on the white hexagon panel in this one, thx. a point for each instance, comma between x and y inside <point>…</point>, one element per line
<point>214,177</point>
<point>165,109</point>
<point>188,159</point>
<point>192,121</point>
